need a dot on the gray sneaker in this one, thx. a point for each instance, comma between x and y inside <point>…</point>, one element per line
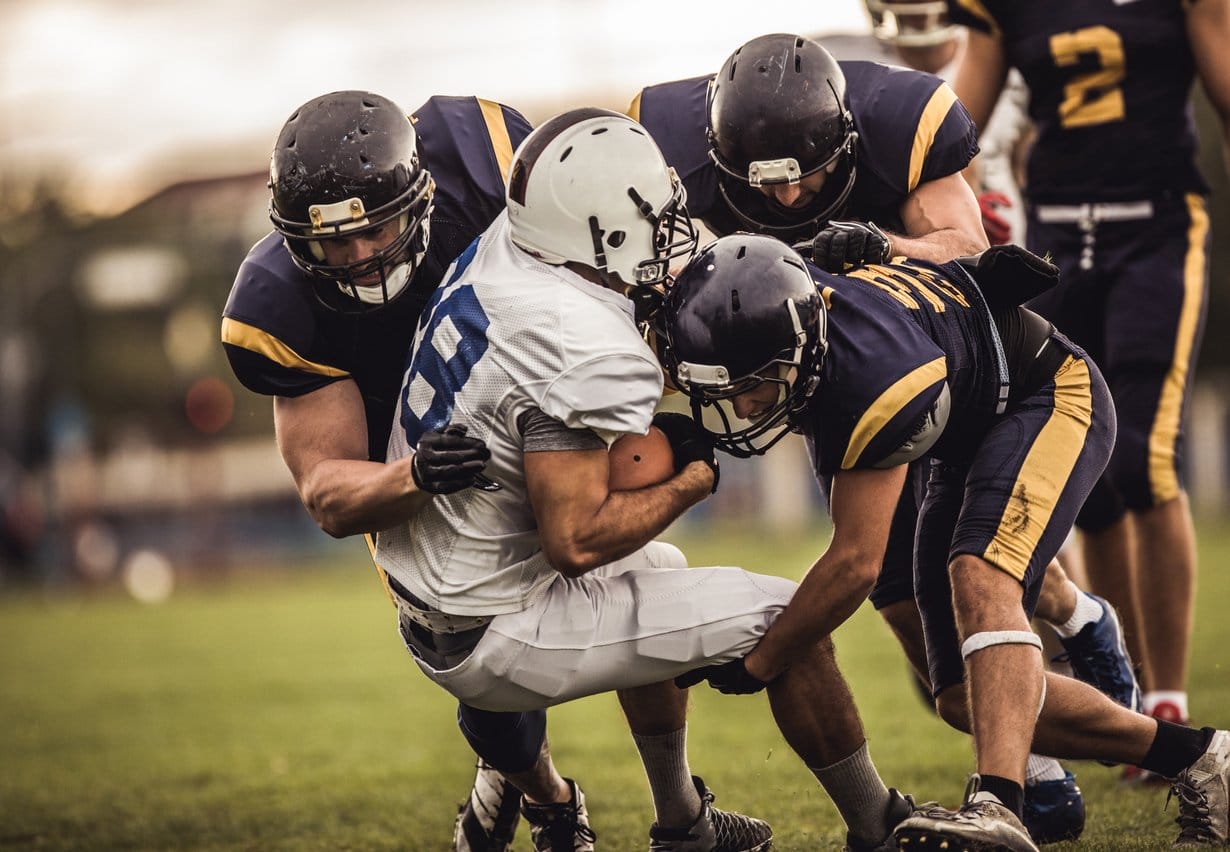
<point>487,820</point>
<point>561,827</point>
<point>900,807</point>
<point>713,831</point>
<point>1203,790</point>
<point>983,824</point>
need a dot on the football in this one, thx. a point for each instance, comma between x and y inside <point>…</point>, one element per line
<point>638,461</point>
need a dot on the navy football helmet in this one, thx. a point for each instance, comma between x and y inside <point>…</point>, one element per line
<point>744,312</point>
<point>346,164</point>
<point>778,114</point>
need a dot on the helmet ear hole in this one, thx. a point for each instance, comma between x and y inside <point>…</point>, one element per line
<point>615,239</point>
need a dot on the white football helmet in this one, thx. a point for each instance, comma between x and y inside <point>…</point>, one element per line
<point>590,186</point>
<point>910,23</point>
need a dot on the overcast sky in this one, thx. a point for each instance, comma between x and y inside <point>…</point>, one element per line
<point>127,93</point>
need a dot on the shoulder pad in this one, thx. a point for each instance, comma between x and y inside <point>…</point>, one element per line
<point>924,436</point>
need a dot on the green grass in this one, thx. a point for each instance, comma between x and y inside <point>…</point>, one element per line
<point>277,711</point>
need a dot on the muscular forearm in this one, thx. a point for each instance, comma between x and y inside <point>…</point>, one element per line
<point>347,497</point>
<point>830,593</point>
<point>938,246</point>
<point>626,521</point>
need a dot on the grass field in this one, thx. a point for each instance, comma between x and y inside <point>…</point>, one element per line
<point>277,711</point>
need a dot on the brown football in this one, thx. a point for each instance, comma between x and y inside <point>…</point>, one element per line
<point>638,461</point>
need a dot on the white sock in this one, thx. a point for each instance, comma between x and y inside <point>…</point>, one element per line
<point>861,798</point>
<point>1039,769</point>
<point>1157,696</point>
<point>1088,610</point>
<point>665,758</point>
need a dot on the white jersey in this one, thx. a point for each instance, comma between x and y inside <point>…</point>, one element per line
<point>507,334</point>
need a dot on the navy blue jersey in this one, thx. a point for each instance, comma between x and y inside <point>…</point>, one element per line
<point>282,341</point>
<point>1109,83</point>
<point>911,129</point>
<point>898,333</point>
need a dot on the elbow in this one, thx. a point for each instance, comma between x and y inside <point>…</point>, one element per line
<point>570,556</point>
<point>326,516</point>
<point>572,562</point>
<point>972,242</point>
<point>333,526</point>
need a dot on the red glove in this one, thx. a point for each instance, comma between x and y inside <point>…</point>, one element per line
<point>998,229</point>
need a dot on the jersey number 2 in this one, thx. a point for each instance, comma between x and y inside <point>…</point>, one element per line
<point>1092,97</point>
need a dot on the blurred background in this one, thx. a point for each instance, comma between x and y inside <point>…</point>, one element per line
<point>134,144</point>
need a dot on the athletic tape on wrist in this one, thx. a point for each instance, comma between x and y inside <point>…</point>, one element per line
<point>987,638</point>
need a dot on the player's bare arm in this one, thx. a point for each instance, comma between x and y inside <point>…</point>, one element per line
<point>1208,30</point>
<point>862,504</point>
<point>583,524</point>
<point>981,76</point>
<point>942,220</point>
<point>322,436</point>
<point>979,80</point>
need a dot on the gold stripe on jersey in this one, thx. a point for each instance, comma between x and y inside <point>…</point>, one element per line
<point>262,342</point>
<point>634,108</point>
<point>497,129</point>
<point>370,541</point>
<point>1045,471</point>
<point>933,116</point>
<point>1163,479</point>
<point>975,8</point>
<point>889,404</point>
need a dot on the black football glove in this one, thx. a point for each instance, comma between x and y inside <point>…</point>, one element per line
<point>729,678</point>
<point>448,460</point>
<point>688,441</point>
<point>848,245</point>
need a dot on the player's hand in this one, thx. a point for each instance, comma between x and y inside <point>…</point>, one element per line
<point>688,441</point>
<point>848,245</point>
<point>730,678</point>
<point>448,460</point>
<point>999,229</point>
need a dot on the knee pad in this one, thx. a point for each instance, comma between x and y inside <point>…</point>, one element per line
<point>509,742</point>
<point>988,638</point>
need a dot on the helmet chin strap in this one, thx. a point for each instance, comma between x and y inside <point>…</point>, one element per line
<point>396,279</point>
<point>374,294</point>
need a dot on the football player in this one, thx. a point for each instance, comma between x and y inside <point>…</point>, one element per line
<point>784,139</point>
<point>1117,201</point>
<point>555,581</point>
<point>919,34</point>
<point>369,207</point>
<point>889,364</point>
